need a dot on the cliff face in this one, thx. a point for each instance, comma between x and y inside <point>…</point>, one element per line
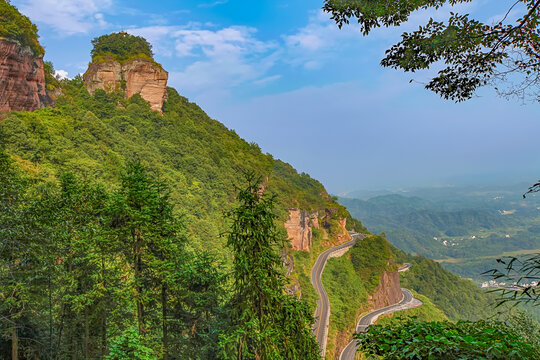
<point>299,228</point>
<point>388,292</point>
<point>22,78</point>
<point>136,76</point>
<point>301,223</point>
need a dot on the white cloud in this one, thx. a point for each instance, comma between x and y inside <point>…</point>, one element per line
<point>267,80</point>
<point>66,16</point>
<point>231,41</point>
<point>216,59</point>
<point>212,4</point>
<point>61,74</point>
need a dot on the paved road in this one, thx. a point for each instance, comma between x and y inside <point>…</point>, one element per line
<point>405,267</point>
<point>350,350</point>
<point>322,313</point>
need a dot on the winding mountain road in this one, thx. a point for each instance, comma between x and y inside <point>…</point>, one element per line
<point>322,314</point>
<point>407,302</point>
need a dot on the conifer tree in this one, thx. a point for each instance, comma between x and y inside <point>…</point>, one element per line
<point>147,234</point>
<point>266,322</point>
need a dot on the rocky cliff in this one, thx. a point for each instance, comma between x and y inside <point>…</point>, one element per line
<point>135,76</point>
<point>22,78</point>
<point>299,228</point>
<point>388,292</point>
<point>301,223</point>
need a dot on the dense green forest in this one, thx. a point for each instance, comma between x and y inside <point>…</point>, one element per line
<point>93,137</point>
<point>89,273</point>
<point>460,299</point>
<point>15,26</point>
<point>121,46</point>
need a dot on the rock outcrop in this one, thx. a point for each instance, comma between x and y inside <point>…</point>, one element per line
<point>136,76</point>
<point>22,78</point>
<point>301,224</point>
<point>388,292</point>
<point>299,228</point>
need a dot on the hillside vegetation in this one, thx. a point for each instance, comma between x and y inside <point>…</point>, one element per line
<point>121,47</point>
<point>450,228</point>
<point>460,299</point>
<point>200,158</point>
<point>15,26</point>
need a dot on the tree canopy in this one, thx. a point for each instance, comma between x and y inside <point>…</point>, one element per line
<point>503,54</point>
<point>15,26</point>
<point>412,339</point>
<point>121,46</point>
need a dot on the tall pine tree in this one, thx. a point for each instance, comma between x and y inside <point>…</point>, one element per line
<point>268,324</point>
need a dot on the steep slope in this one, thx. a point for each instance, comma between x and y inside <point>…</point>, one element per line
<point>361,280</point>
<point>21,63</point>
<point>198,156</point>
<point>460,299</point>
<point>123,62</point>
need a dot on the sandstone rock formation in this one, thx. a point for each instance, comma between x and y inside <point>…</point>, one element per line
<point>388,292</point>
<point>136,76</point>
<point>22,78</point>
<point>299,228</point>
<point>301,223</point>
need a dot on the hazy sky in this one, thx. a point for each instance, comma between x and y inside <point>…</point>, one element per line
<point>281,74</point>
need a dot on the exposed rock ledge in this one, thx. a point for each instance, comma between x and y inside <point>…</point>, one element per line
<point>136,76</point>
<point>301,224</point>
<point>22,78</point>
<point>299,228</point>
<point>388,292</point>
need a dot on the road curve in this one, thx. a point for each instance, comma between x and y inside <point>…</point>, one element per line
<point>322,314</point>
<point>404,267</point>
<point>406,302</point>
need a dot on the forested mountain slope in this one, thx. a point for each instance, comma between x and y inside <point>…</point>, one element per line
<point>201,158</point>
<point>479,225</point>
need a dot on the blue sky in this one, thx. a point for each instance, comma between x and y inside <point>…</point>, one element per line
<point>281,74</point>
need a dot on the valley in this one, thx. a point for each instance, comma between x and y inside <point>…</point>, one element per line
<point>135,226</point>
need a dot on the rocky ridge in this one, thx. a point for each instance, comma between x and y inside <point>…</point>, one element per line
<point>22,85</point>
<point>135,76</point>
<point>301,223</point>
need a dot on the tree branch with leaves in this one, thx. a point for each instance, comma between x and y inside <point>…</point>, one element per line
<point>475,54</point>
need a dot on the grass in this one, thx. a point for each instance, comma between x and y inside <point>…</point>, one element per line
<point>348,298</point>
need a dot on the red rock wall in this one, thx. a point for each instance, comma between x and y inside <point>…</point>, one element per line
<point>22,78</point>
<point>137,76</point>
<point>299,228</point>
<point>388,292</point>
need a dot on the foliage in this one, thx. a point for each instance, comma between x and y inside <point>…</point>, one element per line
<point>15,26</point>
<point>93,137</point>
<point>475,53</point>
<point>50,80</point>
<point>522,276</point>
<point>458,298</point>
<point>348,297</point>
<point>121,46</point>
<point>371,257</point>
<point>83,186</point>
<point>81,266</point>
<point>412,339</point>
<point>268,324</point>
<point>130,346</point>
